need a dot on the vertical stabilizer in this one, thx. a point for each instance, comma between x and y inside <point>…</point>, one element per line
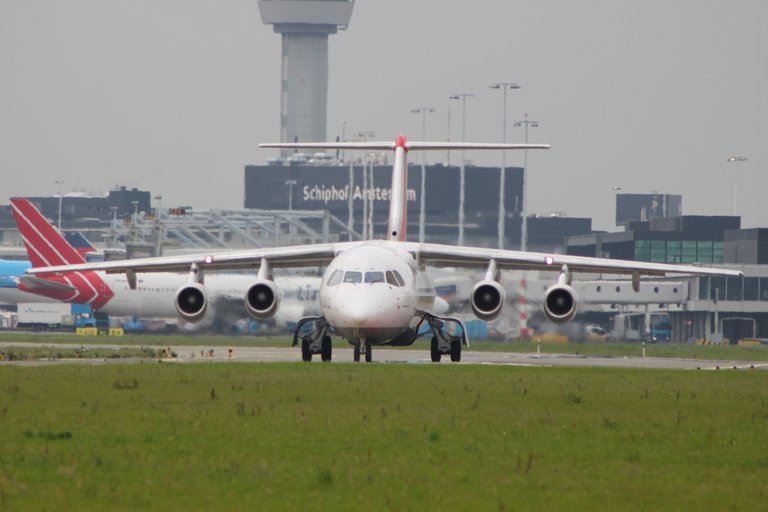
<point>78,241</point>
<point>45,245</point>
<point>398,201</point>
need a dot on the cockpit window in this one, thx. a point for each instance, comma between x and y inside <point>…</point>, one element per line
<point>398,278</point>
<point>374,277</point>
<point>391,278</point>
<point>335,278</point>
<point>353,277</point>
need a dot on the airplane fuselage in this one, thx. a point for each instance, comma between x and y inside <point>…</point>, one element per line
<point>371,292</point>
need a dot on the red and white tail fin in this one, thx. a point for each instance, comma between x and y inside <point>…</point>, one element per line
<point>398,202</point>
<point>45,245</point>
<point>398,199</point>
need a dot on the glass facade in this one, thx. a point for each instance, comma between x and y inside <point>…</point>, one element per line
<point>733,288</point>
<point>678,251</point>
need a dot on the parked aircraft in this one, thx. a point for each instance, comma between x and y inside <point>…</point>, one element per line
<point>11,271</point>
<point>151,295</point>
<point>375,292</point>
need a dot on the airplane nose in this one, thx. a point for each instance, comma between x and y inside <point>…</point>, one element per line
<point>358,311</point>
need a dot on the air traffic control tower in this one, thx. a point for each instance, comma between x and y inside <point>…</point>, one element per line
<point>305,26</point>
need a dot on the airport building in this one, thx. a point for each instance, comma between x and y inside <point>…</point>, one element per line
<point>120,202</point>
<point>352,195</point>
<point>642,207</point>
<point>684,239</point>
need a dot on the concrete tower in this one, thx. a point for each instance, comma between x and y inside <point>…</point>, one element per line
<point>305,26</point>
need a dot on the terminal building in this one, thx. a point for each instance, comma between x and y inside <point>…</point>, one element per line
<point>351,194</point>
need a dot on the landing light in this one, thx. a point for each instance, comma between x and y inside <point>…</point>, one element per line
<point>208,259</point>
<point>549,260</point>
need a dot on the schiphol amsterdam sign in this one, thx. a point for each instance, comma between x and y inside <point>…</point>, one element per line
<point>333,194</point>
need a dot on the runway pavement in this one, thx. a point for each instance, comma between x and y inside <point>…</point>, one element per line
<point>207,354</point>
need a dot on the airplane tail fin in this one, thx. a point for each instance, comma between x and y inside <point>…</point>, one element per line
<point>45,245</point>
<point>78,241</point>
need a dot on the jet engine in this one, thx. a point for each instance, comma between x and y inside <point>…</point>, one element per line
<point>262,299</point>
<point>560,302</point>
<point>191,302</point>
<point>486,299</point>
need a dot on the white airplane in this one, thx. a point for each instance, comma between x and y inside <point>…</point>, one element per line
<point>376,292</point>
<point>150,296</point>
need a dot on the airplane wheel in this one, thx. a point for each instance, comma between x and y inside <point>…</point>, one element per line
<point>306,354</point>
<point>368,352</point>
<point>326,349</point>
<point>436,355</point>
<point>356,353</point>
<point>456,350</point>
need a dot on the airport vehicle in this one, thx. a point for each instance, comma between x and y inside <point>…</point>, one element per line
<point>54,315</point>
<point>150,296</point>
<point>375,292</point>
<point>661,329</point>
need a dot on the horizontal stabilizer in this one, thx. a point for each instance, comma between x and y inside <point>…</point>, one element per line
<point>366,146</point>
<point>442,146</point>
<point>416,146</point>
<point>35,283</point>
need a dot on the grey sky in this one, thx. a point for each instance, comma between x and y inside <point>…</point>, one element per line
<point>174,95</point>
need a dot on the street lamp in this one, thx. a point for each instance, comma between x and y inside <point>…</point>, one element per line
<point>736,159</point>
<point>616,205</point>
<point>422,200</point>
<point>502,179</point>
<point>463,97</point>
<point>290,184</point>
<point>134,224</point>
<point>59,183</point>
<point>524,226</point>
<point>365,134</point>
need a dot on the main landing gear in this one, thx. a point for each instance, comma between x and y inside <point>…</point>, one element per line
<point>443,342</point>
<point>317,341</point>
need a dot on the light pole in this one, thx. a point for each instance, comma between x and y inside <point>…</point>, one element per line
<point>365,134</point>
<point>448,138</point>
<point>158,227</point>
<point>463,97</point>
<point>524,225</point>
<point>422,200</point>
<point>290,184</point>
<point>134,224</point>
<point>736,159</point>
<point>615,205</point>
<point>59,183</point>
<point>502,178</point>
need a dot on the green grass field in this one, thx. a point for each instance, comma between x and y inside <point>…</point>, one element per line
<point>380,437</point>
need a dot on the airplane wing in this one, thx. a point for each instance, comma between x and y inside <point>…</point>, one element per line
<point>431,254</point>
<point>278,257</point>
<point>454,256</point>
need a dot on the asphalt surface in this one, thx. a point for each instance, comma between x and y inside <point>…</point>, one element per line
<point>197,354</point>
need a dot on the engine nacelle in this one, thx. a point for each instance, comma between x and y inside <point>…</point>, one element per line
<point>486,299</point>
<point>262,299</point>
<point>560,302</point>
<point>191,302</point>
